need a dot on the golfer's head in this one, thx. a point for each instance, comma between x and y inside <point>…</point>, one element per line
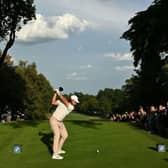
<point>74,99</point>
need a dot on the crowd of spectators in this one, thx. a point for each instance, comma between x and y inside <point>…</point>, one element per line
<point>6,115</point>
<point>153,119</point>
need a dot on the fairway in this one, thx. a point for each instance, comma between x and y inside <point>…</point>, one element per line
<point>120,145</point>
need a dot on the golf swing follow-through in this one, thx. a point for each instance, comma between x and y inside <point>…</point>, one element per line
<point>63,107</point>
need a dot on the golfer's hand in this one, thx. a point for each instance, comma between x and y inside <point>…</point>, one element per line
<point>57,91</point>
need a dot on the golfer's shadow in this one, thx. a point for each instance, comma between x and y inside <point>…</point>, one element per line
<point>47,139</point>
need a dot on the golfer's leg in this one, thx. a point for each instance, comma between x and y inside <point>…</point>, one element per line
<point>64,135</point>
<point>56,131</point>
<point>56,141</point>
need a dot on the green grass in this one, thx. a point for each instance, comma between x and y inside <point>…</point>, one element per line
<point>120,145</point>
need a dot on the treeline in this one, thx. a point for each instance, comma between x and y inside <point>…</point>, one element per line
<point>103,104</point>
<point>24,90</point>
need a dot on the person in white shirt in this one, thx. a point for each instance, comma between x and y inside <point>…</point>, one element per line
<point>63,108</point>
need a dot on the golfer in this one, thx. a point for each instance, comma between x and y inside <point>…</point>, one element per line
<point>63,108</point>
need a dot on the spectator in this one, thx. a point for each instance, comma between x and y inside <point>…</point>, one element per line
<point>159,119</point>
<point>9,116</point>
<point>150,119</point>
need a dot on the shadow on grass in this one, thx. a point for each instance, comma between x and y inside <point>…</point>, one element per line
<point>165,159</point>
<point>86,123</point>
<point>141,126</point>
<point>20,124</point>
<point>47,139</point>
<point>152,148</point>
<point>155,149</point>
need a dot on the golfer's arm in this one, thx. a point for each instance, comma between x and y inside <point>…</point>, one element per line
<point>65,101</point>
<point>54,99</point>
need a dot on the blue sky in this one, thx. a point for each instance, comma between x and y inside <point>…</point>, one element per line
<point>76,43</point>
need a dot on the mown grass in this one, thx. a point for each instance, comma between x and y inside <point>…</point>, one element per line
<point>120,145</point>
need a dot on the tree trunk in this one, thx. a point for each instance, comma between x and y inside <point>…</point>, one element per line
<point>7,47</point>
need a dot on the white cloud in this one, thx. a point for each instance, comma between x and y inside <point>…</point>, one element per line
<point>76,76</point>
<point>124,68</point>
<point>51,28</point>
<point>119,56</point>
<point>106,14</point>
<point>80,48</point>
<point>86,66</point>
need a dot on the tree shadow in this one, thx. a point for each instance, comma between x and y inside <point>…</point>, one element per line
<point>85,123</point>
<point>100,120</point>
<point>20,124</point>
<point>47,139</point>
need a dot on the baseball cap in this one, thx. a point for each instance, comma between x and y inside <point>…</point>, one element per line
<point>75,98</point>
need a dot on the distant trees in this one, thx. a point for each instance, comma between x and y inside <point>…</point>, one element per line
<point>104,103</point>
<point>148,38</point>
<point>111,99</point>
<point>13,15</point>
<point>88,104</point>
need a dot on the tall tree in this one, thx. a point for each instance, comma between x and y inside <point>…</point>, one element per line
<point>38,91</point>
<point>148,37</point>
<point>13,15</point>
<point>12,86</point>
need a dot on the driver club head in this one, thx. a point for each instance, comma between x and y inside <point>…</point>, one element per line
<point>61,89</point>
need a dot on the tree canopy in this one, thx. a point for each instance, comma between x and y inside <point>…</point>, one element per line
<point>13,15</point>
<point>24,90</point>
<point>148,32</point>
<point>148,38</point>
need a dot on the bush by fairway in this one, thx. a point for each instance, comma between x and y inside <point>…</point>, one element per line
<point>120,145</point>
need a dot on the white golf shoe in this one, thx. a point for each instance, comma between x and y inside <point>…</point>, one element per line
<point>62,152</point>
<point>58,157</point>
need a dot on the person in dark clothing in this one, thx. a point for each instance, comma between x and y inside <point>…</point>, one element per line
<point>150,119</point>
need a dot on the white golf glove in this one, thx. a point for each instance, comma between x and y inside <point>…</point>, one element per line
<point>57,91</point>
